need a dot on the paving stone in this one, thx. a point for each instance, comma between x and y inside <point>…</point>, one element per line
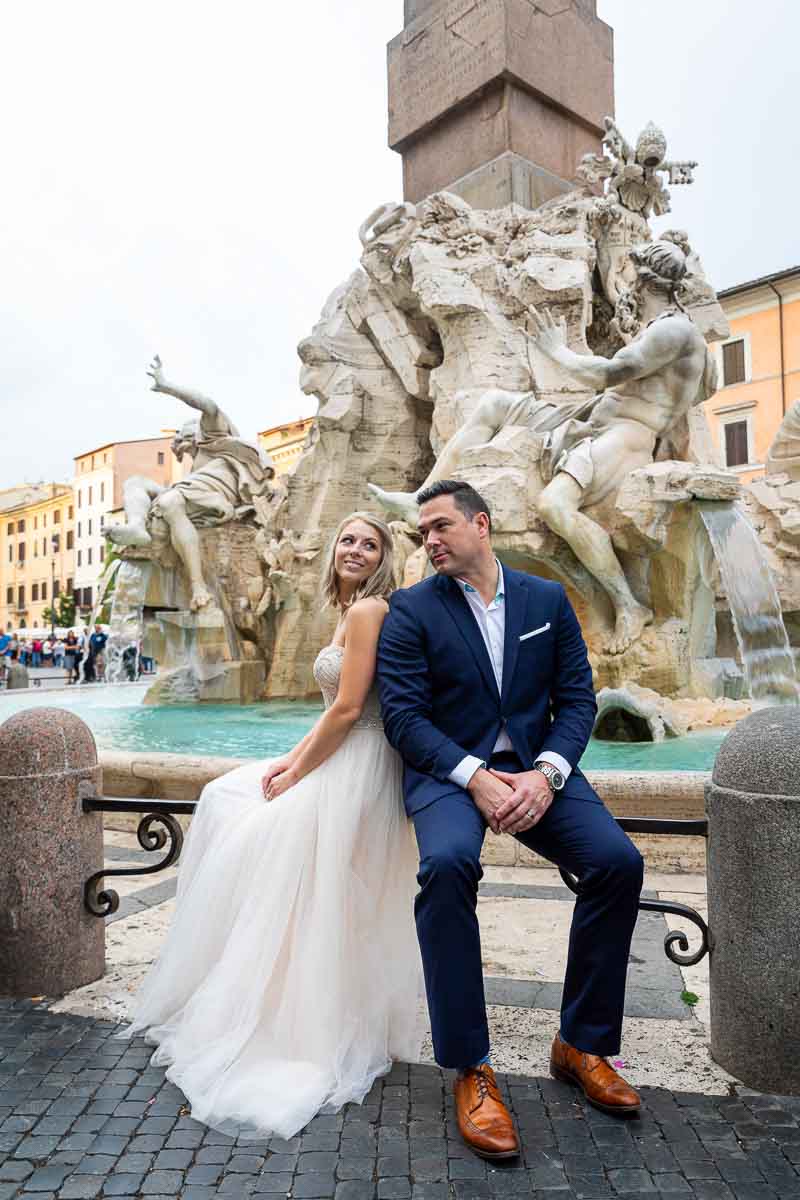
<point>81,1187</point>
<point>166,1183</point>
<point>314,1185</point>
<point>275,1184</point>
<point>245,1164</point>
<point>122,1184</point>
<point>204,1175</point>
<point>394,1189</point>
<point>356,1189</point>
<point>47,1179</point>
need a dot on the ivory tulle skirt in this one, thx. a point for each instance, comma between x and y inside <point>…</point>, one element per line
<point>290,977</point>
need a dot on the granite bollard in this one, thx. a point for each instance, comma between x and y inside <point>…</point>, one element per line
<point>753,804</point>
<point>49,943</point>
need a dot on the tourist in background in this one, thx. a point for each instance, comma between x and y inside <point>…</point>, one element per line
<point>72,656</point>
<point>58,653</point>
<point>5,643</point>
<point>17,676</point>
<point>36,652</point>
<point>290,976</point>
<point>47,652</point>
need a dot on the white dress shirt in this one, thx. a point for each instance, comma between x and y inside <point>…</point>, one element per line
<point>491,619</point>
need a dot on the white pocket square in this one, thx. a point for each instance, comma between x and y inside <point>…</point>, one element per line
<point>523,637</point>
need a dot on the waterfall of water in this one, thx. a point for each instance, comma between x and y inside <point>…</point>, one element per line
<point>126,624</point>
<point>767,657</point>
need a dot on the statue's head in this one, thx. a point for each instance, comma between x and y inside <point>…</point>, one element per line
<point>318,366</point>
<point>651,146</point>
<point>660,266</point>
<point>186,439</point>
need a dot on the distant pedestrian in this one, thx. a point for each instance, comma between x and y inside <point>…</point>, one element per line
<point>5,644</point>
<point>24,652</point>
<point>47,652</point>
<point>36,652</point>
<point>17,674</point>
<point>72,657</point>
<point>58,653</point>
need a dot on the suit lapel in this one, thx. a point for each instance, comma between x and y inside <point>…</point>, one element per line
<point>516,605</point>
<point>453,599</point>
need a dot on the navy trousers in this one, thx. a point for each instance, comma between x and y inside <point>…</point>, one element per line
<point>578,833</point>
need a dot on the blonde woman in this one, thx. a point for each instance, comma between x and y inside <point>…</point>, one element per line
<point>290,976</point>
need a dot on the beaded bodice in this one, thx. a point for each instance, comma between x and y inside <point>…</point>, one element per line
<point>327,670</point>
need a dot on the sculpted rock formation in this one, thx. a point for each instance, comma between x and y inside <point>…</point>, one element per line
<point>554,358</point>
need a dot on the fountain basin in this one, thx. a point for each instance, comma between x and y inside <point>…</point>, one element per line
<point>120,721</point>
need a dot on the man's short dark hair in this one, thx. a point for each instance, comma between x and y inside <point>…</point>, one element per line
<point>466,499</point>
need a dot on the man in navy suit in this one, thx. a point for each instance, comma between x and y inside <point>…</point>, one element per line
<point>486,692</point>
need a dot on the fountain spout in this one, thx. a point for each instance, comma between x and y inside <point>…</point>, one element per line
<point>767,656</point>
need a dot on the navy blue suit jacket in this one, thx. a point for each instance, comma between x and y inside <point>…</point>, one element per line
<point>438,692</point>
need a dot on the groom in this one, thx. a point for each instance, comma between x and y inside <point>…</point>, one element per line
<point>486,692</point>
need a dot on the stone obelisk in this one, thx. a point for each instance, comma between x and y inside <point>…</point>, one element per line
<point>497,100</point>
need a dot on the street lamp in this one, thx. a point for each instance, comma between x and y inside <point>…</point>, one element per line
<point>54,544</point>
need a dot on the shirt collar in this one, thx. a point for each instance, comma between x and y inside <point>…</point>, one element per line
<point>499,595</point>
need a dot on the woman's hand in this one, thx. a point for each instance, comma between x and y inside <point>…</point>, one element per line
<point>277,767</point>
<point>281,783</point>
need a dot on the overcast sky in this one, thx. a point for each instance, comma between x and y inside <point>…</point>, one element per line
<point>188,177</point>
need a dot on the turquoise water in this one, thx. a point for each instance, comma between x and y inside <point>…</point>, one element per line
<point>120,721</point>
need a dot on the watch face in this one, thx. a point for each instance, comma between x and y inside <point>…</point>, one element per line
<point>558,780</point>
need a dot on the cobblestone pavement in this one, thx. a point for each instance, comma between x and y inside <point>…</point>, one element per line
<point>84,1115</point>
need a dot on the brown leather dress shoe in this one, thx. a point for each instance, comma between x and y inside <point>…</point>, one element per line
<point>484,1122</point>
<point>600,1083</point>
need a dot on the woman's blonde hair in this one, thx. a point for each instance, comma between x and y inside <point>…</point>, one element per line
<point>380,583</point>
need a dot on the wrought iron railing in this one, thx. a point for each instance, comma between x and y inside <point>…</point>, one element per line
<point>103,901</point>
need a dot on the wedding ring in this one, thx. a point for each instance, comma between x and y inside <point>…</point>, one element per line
<point>530,814</point>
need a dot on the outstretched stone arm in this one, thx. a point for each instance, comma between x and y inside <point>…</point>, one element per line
<point>660,345</point>
<point>203,404</point>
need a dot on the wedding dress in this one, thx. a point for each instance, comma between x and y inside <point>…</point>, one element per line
<point>290,977</point>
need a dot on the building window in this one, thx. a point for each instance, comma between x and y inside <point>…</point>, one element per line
<point>89,557</point>
<point>21,596</point>
<point>102,554</point>
<point>10,553</point>
<point>20,527</point>
<point>70,539</point>
<point>71,513</point>
<point>57,517</point>
<point>92,469</point>
<point>21,552</point>
<point>102,522</point>
<point>35,522</point>
<point>44,547</point>
<point>35,548</point>
<point>733,362</point>
<point>161,458</point>
<point>102,492</point>
<point>10,528</point>
<point>34,593</point>
<point>79,558</point>
<point>80,498</point>
<point>105,458</point>
<point>44,591</point>
<point>89,501</point>
<point>79,529</point>
<point>87,597</point>
<point>56,588</point>
<point>44,520</point>
<point>9,595</point>
<point>736,449</point>
<point>89,527</point>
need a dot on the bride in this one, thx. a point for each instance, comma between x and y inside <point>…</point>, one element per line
<point>290,975</point>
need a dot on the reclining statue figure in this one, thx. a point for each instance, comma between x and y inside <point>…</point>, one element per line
<point>229,478</point>
<point>644,392</point>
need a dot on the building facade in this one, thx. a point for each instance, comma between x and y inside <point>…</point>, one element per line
<point>759,369</point>
<point>37,554</point>
<point>284,443</point>
<point>100,476</point>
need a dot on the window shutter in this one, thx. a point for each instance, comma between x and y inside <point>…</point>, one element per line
<point>736,454</point>
<point>733,362</point>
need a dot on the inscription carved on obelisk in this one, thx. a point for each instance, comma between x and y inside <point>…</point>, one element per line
<point>498,99</point>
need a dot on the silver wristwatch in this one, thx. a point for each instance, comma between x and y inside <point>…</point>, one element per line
<point>551,774</point>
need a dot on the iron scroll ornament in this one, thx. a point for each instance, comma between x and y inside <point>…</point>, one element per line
<point>101,901</point>
<point>680,957</point>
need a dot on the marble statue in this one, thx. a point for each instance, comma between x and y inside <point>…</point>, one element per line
<point>784,453</point>
<point>230,478</point>
<point>642,393</point>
